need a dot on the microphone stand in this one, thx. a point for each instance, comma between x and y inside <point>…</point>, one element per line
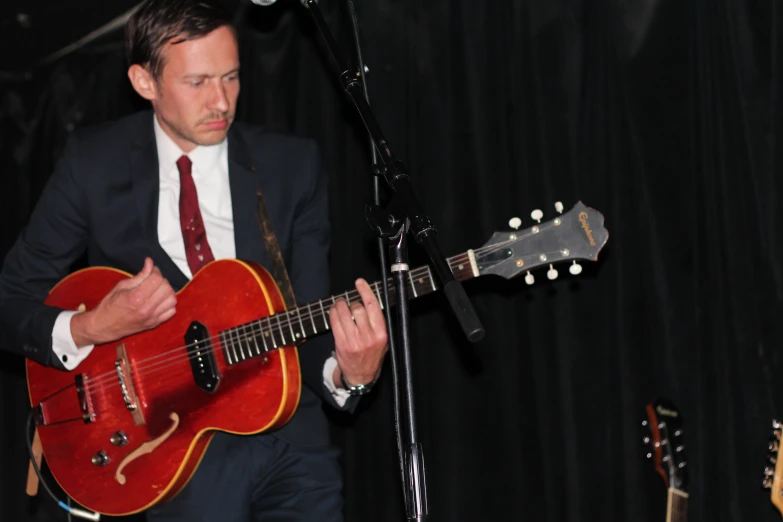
<point>402,216</point>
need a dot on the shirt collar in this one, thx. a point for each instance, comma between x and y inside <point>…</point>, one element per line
<point>205,158</point>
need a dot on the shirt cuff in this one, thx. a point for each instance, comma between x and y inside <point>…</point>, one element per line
<point>62,342</point>
<point>339,395</point>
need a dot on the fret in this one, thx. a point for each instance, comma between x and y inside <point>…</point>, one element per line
<point>432,279</point>
<point>312,319</point>
<point>323,314</point>
<point>301,326</point>
<point>413,284</point>
<point>232,344</point>
<point>347,298</point>
<point>264,333</point>
<point>244,342</point>
<point>271,332</point>
<point>226,353</point>
<point>291,326</point>
<point>282,331</point>
<point>378,293</point>
<point>255,340</point>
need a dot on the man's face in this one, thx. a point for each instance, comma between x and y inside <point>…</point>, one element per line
<point>197,89</point>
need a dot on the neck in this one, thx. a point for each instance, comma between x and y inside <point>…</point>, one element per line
<point>293,326</point>
<point>677,508</point>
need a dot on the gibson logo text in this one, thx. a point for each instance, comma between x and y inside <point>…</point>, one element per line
<point>586,227</point>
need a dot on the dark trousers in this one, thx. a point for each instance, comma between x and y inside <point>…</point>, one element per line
<point>258,478</point>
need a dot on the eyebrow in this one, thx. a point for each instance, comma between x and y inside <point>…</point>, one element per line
<point>199,76</point>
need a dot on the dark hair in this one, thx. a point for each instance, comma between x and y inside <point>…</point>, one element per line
<point>157,22</point>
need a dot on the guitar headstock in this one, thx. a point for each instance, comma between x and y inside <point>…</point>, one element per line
<point>773,471</point>
<point>664,443</point>
<point>579,234</point>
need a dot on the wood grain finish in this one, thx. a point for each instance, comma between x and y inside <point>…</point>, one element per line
<point>254,395</point>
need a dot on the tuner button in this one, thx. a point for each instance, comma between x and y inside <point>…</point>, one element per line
<point>679,449</point>
<point>681,465</point>
<point>766,483</point>
<point>644,423</point>
<point>515,223</point>
<point>774,446</point>
<point>559,207</point>
<point>768,472</point>
<point>649,455</point>
<point>646,440</point>
<point>575,268</point>
<point>772,459</point>
<point>529,279</point>
<point>537,215</point>
<point>678,433</point>
<point>775,424</point>
<point>551,273</point>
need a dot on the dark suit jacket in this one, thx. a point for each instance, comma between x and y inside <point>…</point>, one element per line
<point>103,198</point>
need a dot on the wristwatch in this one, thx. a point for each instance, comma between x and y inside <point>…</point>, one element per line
<point>359,389</point>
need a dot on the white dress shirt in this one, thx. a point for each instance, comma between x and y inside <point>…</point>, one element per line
<point>210,175</point>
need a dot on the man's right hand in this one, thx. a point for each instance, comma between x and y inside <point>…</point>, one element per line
<point>134,305</point>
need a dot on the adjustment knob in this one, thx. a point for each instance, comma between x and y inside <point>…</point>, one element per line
<point>100,459</point>
<point>119,438</point>
<point>529,279</point>
<point>515,223</point>
<point>537,215</point>
<point>575,268</point>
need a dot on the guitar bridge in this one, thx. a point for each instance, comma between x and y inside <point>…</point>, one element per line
<point>85,403</point>
<point>122,366</point>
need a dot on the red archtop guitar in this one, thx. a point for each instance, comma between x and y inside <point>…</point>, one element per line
<point>127,429</point>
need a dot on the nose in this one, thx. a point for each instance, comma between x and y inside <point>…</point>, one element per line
<point>219,100</point>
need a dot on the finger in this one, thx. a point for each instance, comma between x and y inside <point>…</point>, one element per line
<point>374,312</point>
<point>344,315</point>
<point>360,318</point>
<point>145,271</point>
<point>168,315</point>
<point>150,286</point>
<point>169,301</point>
<point>340,339</point>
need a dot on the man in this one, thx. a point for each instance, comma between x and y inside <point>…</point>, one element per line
<point>161,193</point>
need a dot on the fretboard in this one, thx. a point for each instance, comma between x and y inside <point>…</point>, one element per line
<point>677,508</point>
<point>293,326</point>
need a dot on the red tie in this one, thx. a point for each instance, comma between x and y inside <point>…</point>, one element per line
<point>196,245</point>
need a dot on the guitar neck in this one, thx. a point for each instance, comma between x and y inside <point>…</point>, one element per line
<point>292,326</point>
<point>677,506</point>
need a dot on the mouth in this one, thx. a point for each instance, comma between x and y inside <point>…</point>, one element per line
<point>216,124</point>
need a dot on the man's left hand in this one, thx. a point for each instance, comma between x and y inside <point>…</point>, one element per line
<point>360,337</point>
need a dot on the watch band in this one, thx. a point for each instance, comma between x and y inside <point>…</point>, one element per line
<point>359,389</point>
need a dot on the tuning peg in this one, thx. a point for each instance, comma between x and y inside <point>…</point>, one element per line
<point>551,273</point>
<point>649,455</point>
<point>575,268</point>
<point>515,223</point>
<point>772,459</point>
<point>774,446</point>
<point>537,215</point>
<point>766,483</point>
<point>646,440</point>
<point>529,279</point>
<point>775,424</point>
<point>768,472</point>
<point>559,207</point>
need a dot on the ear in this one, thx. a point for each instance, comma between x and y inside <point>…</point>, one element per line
<point>143,82</point>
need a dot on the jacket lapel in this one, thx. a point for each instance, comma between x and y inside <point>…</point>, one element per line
<point>146,187</point>
<point>243,180</point>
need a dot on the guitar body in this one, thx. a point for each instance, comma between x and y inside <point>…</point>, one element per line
<point>164,438</point>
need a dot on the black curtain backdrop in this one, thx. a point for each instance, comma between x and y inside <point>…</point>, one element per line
<point>664,115</point>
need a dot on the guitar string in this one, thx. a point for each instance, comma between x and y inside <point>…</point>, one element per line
<point>272,329</point>
<point>150,362</point>
<point>142,370</point>
<point>309,316</point>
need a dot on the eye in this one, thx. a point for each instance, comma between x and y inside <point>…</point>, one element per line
<point>196,83</point>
